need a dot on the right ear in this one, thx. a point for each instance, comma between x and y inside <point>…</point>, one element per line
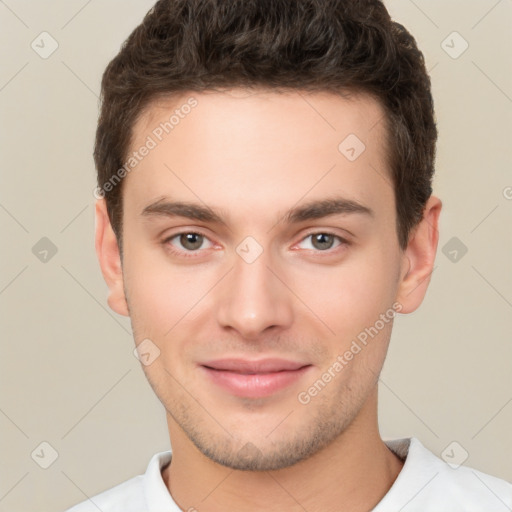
<point>107,250</point>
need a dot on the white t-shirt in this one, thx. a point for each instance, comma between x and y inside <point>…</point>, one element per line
<point>425,484</point>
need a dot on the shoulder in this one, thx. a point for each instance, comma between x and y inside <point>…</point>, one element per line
<point>138,494</point>
<point>125,497</point>
<point>428,483</point>
<point>473,489</point>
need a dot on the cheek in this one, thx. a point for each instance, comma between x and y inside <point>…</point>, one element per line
<point>148,288</point>
<point>161,295</point>
<point>346,296</point>
<point>351,296</point>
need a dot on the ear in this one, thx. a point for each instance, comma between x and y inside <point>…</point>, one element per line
<point>107,250</point>
<point>418,258</point>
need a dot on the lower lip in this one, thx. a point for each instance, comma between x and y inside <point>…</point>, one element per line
<point>254,385</point>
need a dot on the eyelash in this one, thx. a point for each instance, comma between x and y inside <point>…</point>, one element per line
<point>191,254</point>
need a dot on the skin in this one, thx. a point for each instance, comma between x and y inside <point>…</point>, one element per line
<point>251,156</point>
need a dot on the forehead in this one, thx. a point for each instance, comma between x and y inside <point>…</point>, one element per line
<point>256,148</point>
<point>320,112</point>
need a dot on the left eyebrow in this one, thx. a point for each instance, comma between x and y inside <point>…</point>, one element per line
<point>323,208</point>
<point>316,209</point>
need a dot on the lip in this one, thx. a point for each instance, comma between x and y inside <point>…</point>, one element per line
<point>254,379</point>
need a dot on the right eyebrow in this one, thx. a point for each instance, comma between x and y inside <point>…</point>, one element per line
<point>192,211</point>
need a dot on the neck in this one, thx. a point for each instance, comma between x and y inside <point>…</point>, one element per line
<point>357,470</point>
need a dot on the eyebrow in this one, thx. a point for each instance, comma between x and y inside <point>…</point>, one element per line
<point>316,209</point>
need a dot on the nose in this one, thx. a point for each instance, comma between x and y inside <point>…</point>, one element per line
<point>255,298</point>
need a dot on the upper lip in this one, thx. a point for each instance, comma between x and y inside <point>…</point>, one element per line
<point>259,366</point>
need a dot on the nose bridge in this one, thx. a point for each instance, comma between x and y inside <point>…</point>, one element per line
<point>253,297</point>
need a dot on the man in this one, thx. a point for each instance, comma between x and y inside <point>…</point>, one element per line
<point>265,209</point>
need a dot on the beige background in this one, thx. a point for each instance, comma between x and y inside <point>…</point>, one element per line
<point>68,374</point>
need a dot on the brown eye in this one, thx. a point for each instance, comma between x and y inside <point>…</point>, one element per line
<point>186,243</point>
<point>323,242</point>
<point>191,241</point>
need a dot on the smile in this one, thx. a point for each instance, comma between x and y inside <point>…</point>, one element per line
<point>252,384</point>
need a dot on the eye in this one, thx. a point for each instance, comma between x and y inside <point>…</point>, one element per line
<point>190,242</point>
<point>323,242</point>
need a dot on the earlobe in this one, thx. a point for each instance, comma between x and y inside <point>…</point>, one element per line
<point>109,258</point>
<point>419,258</point>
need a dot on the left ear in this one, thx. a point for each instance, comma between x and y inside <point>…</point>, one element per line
<point>419,257</point>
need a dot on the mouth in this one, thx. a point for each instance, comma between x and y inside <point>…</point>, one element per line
<point>254,379</point>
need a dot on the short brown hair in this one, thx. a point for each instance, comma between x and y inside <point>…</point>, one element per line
<point>338,46</point>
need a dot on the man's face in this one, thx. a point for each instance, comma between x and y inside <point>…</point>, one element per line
<point>259,284</point>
